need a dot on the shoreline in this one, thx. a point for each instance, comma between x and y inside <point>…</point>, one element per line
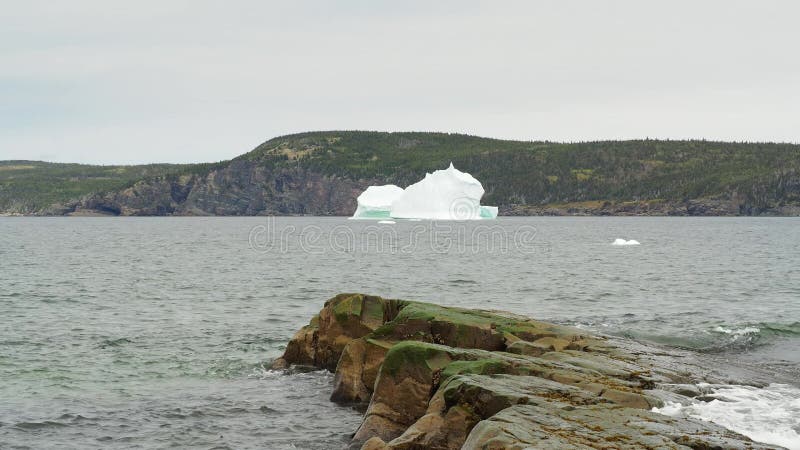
<point>549,213</point>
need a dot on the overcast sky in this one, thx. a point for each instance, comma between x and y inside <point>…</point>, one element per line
<point>107,82</point>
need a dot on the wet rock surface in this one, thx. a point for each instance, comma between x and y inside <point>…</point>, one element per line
<point>449,378</point>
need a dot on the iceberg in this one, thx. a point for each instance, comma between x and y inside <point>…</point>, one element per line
<point>442,195</point>
<point>619,241</point>
<point>448,194</point>
<point>488,212</point>
<point>376,201</point>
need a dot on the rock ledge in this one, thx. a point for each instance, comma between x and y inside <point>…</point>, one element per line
<point>449,378</point>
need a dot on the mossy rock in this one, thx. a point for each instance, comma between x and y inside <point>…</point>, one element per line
<point>442,378</point>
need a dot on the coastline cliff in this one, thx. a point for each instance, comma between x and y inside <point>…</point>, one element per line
<point>322,173</point>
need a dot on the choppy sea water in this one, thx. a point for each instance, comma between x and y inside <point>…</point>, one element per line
<point>156,332</point>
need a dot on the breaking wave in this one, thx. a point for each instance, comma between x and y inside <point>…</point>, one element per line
<point>746,336</point>
<point>770,415</point>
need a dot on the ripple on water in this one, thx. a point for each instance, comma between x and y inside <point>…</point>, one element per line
<point>181,316</point>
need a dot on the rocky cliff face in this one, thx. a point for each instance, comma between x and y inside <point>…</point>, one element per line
<point>695,207</point>
<point>450,378</point>
<point>242,188</point>
<point>247,188</point>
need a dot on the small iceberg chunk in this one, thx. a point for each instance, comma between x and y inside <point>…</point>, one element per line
<point>376,202</point>
<point>619,241</point>
<point>488,212</point>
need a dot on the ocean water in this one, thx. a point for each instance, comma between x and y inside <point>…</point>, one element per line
<point>158,332</point>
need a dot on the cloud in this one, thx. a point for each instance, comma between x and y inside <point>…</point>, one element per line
<point>181,81</point>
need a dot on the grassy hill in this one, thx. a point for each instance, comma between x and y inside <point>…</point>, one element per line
<point>27,186</point>
<point>518,176</point>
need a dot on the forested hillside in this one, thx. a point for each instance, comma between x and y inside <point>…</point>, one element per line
<point>516,172</point>
<point>323,172</point>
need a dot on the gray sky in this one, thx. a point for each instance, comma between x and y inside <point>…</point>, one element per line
<point>99,81</point>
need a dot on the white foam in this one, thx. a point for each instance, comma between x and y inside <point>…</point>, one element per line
<point>619,241</point>
<point>737,331</point>
<point>390,222</point>
<point>770,415</point>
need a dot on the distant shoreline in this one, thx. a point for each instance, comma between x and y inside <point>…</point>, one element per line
<point>322,173</point>
<point>546,214</point>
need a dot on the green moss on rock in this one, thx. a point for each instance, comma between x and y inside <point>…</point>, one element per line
<point>439,377</point>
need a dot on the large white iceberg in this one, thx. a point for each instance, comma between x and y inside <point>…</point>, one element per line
<point>376,201</point>
<point>442,195</point>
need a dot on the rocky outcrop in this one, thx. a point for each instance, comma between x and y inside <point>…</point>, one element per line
<point>449,378</point>
<point>694,207</point>
<point>240,188</point>
<point>247,189</point>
